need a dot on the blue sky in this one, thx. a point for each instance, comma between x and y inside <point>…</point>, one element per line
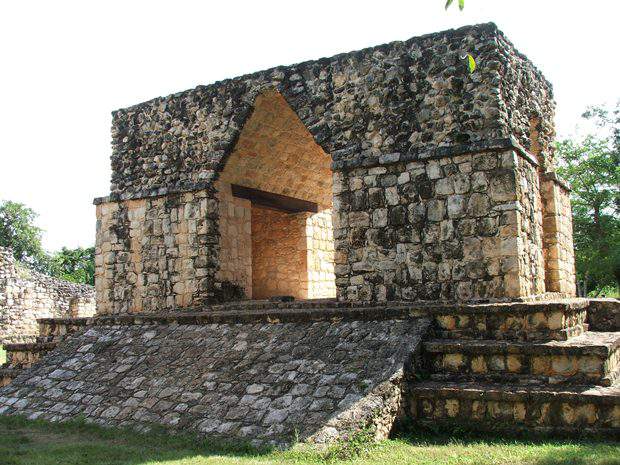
<point>67,64</point>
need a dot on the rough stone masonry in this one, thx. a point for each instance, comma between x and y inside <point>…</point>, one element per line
<point>376,181</point>
<point>261,382</point>
<point>26,295</point>
<point>441,184</point>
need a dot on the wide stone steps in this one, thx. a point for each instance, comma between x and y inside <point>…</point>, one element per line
<point>531,321</point>
<point>501,406</point>
<point>25,355</point>
<point>592,358</point>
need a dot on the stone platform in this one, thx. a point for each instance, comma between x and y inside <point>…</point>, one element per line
<point>274,372</point>
<point>265,376</point>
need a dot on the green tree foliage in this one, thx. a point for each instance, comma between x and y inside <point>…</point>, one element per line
<point>592,167</point>
<point>76,265</point>
<point>18,231</point>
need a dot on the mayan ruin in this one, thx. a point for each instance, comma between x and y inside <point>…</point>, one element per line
<point>344,244</point>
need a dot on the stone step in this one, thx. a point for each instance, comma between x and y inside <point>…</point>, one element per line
<point>493,407</point>
<point>7,375</point>
<point>527,321</point>
<point>592,358</point>
<point>535,320</point>
<point>55,329</point>
<point>25,355</point>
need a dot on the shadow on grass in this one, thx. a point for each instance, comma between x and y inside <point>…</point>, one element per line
<point>550,449</point>
<point>25,442</point>
<point>76,442</point>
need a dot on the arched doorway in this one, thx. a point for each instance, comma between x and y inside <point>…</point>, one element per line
<point>275,192</point>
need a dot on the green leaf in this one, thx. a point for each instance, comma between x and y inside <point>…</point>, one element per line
<point>471,63</point>
<point>461,4</point>
<point>448,3</point>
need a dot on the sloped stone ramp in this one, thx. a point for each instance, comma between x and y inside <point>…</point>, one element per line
<point>268,383</point>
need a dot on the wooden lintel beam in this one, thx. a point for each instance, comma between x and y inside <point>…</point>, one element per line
<point>275,201</point>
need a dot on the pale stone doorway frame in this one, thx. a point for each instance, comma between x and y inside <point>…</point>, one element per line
<point>284,249</point>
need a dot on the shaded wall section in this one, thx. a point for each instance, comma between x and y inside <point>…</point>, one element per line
<point>235,224</point>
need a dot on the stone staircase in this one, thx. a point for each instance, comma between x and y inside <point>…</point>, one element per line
<point>536,366</point>
<point>531,367</point>
<point>24,355</point>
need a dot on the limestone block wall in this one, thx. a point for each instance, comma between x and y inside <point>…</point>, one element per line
<point>235,224</point>
<point>529,239</point>
<point>292,254</point>
<point>437,195</point>
<point>26,295</point>
<point>452,228</point>
<point>156,253</point>
<point>279,255</point>
<point>558,236</point>
<point>320,255</point>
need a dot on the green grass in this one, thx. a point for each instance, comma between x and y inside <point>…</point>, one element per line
<point>25,442</point>
<point>2,355</point>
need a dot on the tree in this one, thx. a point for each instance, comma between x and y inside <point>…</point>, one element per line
<point>18,231</point>
<point>592,167</point>
<point>76,265</point>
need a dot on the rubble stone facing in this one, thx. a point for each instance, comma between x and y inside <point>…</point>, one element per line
<point>265,382</point>
<point>456,228</point>
<point>400,98</point>
<point>426,158</point>
<point>26,295</point>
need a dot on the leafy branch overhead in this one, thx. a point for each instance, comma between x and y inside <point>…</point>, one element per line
<point>461,4</point>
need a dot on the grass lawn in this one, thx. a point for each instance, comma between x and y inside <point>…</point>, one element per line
<point>2,355</point>
<point>39,443</point>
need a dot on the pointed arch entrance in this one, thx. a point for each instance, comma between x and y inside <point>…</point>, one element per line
<point>275,192</point>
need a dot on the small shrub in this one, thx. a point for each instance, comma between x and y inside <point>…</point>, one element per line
<point>356,444</point>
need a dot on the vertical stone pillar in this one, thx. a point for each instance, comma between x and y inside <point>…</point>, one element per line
<point>557,236</point>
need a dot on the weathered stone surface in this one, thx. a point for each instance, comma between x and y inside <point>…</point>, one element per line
<point>260,382</point>
<point>435,184</point>
<point>574,410</point>
<point>26,295</point>
<point>591,358</point>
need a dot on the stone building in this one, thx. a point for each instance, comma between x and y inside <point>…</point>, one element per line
<point>390,173</point>
<point>410,207</point>
<point>26,295</point>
